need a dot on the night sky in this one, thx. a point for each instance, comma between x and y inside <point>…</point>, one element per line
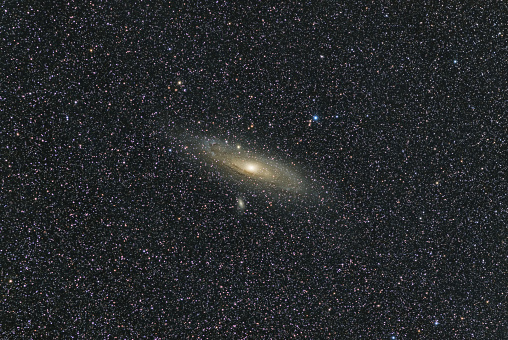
<point>112,225</point>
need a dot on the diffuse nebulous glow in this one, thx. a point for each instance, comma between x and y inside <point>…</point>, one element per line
<point>248,167</point>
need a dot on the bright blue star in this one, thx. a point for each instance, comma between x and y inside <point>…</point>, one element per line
<point>315,117</point>
<point>436,323</point>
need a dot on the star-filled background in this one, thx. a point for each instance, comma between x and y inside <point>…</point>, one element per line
<point>395,114</point>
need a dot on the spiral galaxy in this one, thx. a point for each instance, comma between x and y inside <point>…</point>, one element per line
<point>245,166</point>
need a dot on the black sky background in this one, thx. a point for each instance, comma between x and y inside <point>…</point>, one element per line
<point>109,229</point>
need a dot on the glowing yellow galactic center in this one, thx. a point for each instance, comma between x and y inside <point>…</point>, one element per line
<point>256,168</point>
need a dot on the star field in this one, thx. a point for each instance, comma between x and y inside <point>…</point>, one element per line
<point>394,114</point>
